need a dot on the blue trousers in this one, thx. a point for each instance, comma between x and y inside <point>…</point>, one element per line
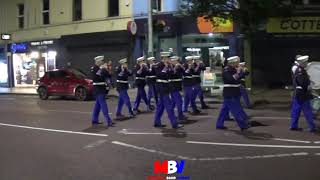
<point>152,92</point>
<point>141,94</point>
<point>197,92</point>
<point>177,102</point>
<point>307,111</point>
<point>245,96</point>
<point>123,99</point>
<point>100,105</point>
<point>232,105</point>
<point>165,103</point>
<point>188,99</point>
<point>242,112</point>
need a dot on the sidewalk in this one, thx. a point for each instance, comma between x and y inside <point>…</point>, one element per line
<point>256,95</point>
<point>19,91</point>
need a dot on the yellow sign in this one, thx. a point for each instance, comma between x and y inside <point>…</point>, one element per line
<point>294,25</point>
<point>221,25</point>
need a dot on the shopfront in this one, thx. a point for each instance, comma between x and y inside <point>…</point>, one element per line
<point>30,61</point>
<point>3,68</point>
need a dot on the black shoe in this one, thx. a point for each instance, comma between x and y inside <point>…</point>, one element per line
<point>229,119</point>
<point>205,107</point>
<point>296,129</point>
<point>178,126</point>
<point>111,124</point>
<point>183,118</point>
<point>196,112</point>
<point>97,123</point>
<point>244,129</point>
<point>159,126</point>
<point>132,116</point>
<point>222,128</point>
<point>120,116</point>
<point>151,107</point>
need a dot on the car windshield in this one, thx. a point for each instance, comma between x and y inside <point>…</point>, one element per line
<point>78,73</point>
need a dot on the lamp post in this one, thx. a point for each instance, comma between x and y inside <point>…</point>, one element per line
<point>150,29</point>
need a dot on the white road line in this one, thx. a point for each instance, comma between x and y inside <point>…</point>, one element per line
<point>126,132</point>
<point>291,140</point>
<point>95,144</point>
<point>316,142</point>
<point>317,154</point>
<point>254,145</point>
<point>144,149</point>
<point>270,117</point>
<point>53,130</point>
<point>211,159</point>
<point>64,111</point>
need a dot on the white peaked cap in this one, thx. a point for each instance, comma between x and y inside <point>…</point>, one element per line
<point>151,58</point>
<point>165,54</point>
<point>233,59</point>
<point>196,57</point>
<point>175,58</point>
<point>188,58</point>
<point>141,59</point>
<point>122,61</point>
<point>242,63</point>
<point>99,58</point>
<point>302,58</point>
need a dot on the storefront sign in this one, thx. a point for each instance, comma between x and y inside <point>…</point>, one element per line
<point>5,36</point>
<point>19,47</point>
<point>294,25</point>
<point>220,25</point>
<point>40,43</point>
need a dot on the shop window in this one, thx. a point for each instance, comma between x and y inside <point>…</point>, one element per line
<point>113,8</point>
<point>21,16</point>
<point>156,5</point>
<point>46,11</point>
<point>77,10</point>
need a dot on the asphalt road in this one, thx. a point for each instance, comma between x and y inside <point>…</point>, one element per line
<point>54,140</point>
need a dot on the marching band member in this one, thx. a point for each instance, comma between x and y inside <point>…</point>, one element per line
<point>140,82</point>
<point>197,91</point>
<point>122,87</point>
<point>151,81</point>
<point>176,78</point>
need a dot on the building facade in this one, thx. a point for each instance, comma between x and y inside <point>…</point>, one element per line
<point>49,34</point>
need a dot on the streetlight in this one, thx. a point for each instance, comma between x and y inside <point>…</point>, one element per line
<point>150,29</point>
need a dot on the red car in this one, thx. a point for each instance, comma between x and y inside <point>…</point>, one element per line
<point>66,82</point>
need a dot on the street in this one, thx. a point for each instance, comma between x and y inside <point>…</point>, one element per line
<point>54,140</point>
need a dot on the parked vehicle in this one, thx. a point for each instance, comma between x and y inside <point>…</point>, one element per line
<point>65,82</point>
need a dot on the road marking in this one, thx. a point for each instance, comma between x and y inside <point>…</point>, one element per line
<point>316,142</point>
<point>126,132</point>
<point>254,145</point>
<point>271,117</point>
<point>317,154</point>
<point>144,149</point>
<point>54,130</point>
<point>77,112</point>
<point>291,140</point>
<point>95,144</point>
<point>210,159</point>
<point>8,99</point>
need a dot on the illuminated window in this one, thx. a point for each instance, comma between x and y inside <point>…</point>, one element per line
<point>156,5</point>
<point>21,16</point>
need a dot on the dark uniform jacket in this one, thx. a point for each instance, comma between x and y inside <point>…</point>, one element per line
<point>151,77</point>
<point>187,76</point>
<point>99,77</point>
<point>197,72</point>
<point>141,75</point>
<point>122,79</point>
<point>163,74</point>
<point>176,78</point>
<point>232,82</point>
<point>301,83</point>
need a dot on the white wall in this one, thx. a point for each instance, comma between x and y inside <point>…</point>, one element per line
<point>94,17</point>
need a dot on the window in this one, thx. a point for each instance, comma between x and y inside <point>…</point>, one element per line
<point>45,11</point>
<point>317,2</point>
<point>21,16</point>
<point>156,5</point>
<point>113,8</point>
<point>77,10</point>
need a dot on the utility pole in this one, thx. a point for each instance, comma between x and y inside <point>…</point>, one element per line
<point>150,29</point>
